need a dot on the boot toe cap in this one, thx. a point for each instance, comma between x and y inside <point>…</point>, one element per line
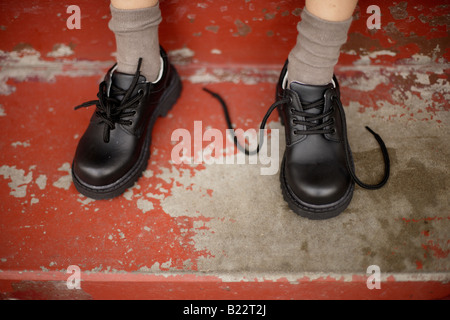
<point>319,185</point>
<point>99,164</point>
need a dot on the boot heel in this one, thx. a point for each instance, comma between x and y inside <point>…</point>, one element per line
<point>171,95</point>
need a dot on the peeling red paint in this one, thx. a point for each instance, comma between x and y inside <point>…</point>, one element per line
<point>436,218</point>
<point>419,265</point>
<point>139,286</point>
<point>425,233</point>
<point>435,248</point>
<point>122,244</point>
<point>425,28</point>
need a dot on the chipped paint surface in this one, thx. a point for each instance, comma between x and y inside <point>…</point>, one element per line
<point>27,64</point>
<point>224,226</point>
<point>19,180</point>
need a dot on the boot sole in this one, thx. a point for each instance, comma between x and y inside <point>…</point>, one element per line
<point>115,189</point>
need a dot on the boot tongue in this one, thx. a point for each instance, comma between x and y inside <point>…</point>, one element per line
<point>309,93</point>
<point>122,81</point>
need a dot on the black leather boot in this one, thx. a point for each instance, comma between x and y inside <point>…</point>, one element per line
<point>317,172</point>
<point>114,150</point>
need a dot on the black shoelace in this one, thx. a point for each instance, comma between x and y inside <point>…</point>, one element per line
<point>111,110</point>
<point>312,125</point>
<point>312,122</point>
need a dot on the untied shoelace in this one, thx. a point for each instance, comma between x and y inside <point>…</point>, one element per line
<point>312,126</point>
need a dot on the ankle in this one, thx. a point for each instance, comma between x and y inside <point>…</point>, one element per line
<point>317,50</point>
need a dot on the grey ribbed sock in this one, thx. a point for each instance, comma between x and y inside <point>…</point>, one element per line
<point>136,34</point>
<point>319,41</point>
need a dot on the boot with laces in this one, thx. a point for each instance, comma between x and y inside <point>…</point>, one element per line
<point>114,150</point>
<point>317,173</point>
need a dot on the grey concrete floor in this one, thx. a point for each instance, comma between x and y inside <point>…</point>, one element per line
<point>403,227</point>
